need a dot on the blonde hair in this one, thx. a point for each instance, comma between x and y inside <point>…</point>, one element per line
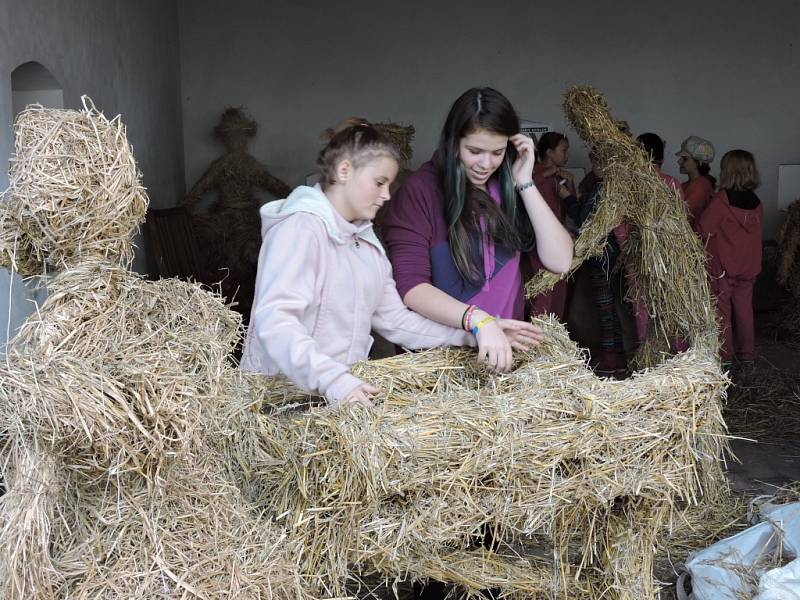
<point>738,171</point>
<point>356,140</point>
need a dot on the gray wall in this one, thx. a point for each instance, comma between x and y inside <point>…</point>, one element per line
<point>726,70</point>
<point>125,55</point>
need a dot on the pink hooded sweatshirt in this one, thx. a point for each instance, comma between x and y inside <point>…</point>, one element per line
<point>732,236</point>
<point>323,283</point>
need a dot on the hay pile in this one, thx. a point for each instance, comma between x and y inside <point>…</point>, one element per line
<point>75,191</point>
<point>666,257</point>
<point>764,403</point>
<point>111,405</point>
<point>594,467</point>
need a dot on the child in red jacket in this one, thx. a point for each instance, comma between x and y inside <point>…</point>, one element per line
<point>731,228</point>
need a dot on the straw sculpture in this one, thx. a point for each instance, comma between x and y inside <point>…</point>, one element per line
<point>664,256</point>
<point>550,451</point>
<point>401,136</point>
<point>789,251</point>
<point>229,231</point>
<point>111,409</point>
<point>787,326</point>
<point>75,191</point>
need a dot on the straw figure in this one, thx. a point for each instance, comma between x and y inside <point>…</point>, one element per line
<point>576,477</point>
<point>112,396</point>
<point>788,274</point>
<point>229,232</point>
<point>672,284</point>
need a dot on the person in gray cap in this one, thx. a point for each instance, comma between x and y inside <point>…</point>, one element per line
<point>694,159</point>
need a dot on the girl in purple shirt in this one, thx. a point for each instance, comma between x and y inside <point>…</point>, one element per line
<point>457,227</point>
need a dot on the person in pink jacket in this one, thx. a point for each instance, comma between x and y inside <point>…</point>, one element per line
<point>731,228</point>
<point>555,184</point>
<point>324,280</point>
<point>694,159</point>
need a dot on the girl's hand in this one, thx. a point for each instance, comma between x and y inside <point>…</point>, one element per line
<point>362,395</point>
<point>522,169</point>
<point>522,336</point>
<point>494,349</point>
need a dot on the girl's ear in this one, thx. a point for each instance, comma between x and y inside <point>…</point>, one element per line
<point>344,170</point>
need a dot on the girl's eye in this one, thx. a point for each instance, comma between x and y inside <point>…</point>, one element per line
<point>499,152</point>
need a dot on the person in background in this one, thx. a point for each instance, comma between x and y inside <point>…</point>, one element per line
<point>694,159</point>
<point>458,226</point>
<point>324,281</point>
<point>611,360</point>
<point>654,147</point>
<point>556,185</point>
<point>731,228</point>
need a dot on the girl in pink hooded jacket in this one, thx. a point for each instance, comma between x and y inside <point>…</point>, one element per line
<point>324,280</point>
<point>731,228</point>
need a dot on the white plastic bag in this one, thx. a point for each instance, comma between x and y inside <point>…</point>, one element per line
<point>729,569</point>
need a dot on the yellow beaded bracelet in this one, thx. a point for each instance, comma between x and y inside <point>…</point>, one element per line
<point>484,321</point>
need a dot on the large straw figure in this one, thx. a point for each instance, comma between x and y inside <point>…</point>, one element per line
<point>587,471</point>
<point>666,257</point>
<point>111,394</point>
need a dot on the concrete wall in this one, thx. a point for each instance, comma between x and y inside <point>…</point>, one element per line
<point>125,55</point>
<point>726,70</point>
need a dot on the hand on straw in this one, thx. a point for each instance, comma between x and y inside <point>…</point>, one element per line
<point>362,395</point>
<point>522,336</point>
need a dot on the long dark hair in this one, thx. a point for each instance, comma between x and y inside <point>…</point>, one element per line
<point>548,141</point>
<point>480,108</point>
<point>705,171</point>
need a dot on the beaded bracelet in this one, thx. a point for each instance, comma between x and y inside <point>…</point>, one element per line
<point>467,316</point>
<point>523,186</point>
<point>484,321</point>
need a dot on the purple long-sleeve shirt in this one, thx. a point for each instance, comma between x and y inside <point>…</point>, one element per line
<point>415,233</point>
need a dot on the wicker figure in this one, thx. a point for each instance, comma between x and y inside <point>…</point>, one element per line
<point>229,233</point>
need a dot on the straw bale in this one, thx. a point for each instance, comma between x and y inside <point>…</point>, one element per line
<point>75,191</point>
<point>663,253</point>
<point>548,450</point>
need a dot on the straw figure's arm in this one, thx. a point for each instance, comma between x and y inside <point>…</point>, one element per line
<point>207,182</point>
<point>267,181</point>
<point>591,242</point>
